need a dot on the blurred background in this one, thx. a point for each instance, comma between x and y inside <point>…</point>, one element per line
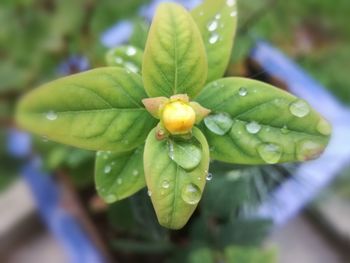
<point>49,209</point>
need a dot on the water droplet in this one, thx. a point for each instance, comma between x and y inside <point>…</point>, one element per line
<point>119,181</point>
<point>149,192</point>
<point>219,123</point>
<point>165,184</point>
<point>111,198</point>
<point>299,108</point>
<point>242,92</point>
<point>308,150</point>
<point>218,16</point>
<point>107,169</point>
<point>284,129</point>
<point>44,139</point>
<point>126,141</point>
<point>199,178</point>
<point>233,13</point>
<point>214,38</point>
<point>171,150</point>
<point>209,176</point>
<point>191,194</point>
<point>132,67</point>
<point>135,172</point>
<point>270,153</point>
<point>113,163</point>
<point>231,2</point>
<point>201,13</point>
<point>131,51</point>
<point>51,115</point>
<point>253,127</point>
<point>119,60</point>
<point>212,26</point>
<point>324,127</point>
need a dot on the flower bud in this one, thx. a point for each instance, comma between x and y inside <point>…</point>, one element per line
<point>178,117</point>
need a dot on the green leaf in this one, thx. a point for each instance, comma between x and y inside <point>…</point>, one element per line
<point>140,33</point>
<point>268,125</point>
<point>119,175</point>
<point>175,192</point>
<point>201,255</point>
<point>128,57</point>
<point>99,109</point>
<point>250,255</point>
<point>174,61</point>
<point>217,22</point>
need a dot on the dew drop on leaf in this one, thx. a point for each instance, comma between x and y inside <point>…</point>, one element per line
<point>110,198</point>
<point>209,176</point>
<point>253,127</point>
<point>214,38</point>
<point>308,150</point>
<point>51,115</point>
<point>324,127</point>
<point>132,67</point>
<point>191,194</point>
<point>131,51</point>
<point>119,60</point>
<point>135,172</point>
<point>186,154</point>
<point>270,153</point>
<point>299,108</point>
<point>107,169</point>
<point>218,16</point>
<point>165,184</point>
<point>284,129</point>
<point>119,181</point>
<point>233,13</point>
<point>231,2</point>
<point>149,193</point>
<point>242,92</point>
<point>219,123</point>
<point>212,26</point>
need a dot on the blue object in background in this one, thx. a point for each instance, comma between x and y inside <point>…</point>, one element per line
<point>19,143</point>
<point>117,34</point>
<point>66,229</point>
<point>73,64</point>
<point>311,177</point>
<point>148,11</point>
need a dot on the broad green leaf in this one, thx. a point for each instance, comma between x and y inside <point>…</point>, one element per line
<point>174,61</point>
<point>175,192</point>
<point>119,175</point>
<point>128,57</point>
<point>217,22</point>
<point>250,255</point>
<point>268,125</point>
<point>99,109</point>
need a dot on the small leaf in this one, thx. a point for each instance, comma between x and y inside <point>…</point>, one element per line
<point>265,126</point>
<point>175,192</point>
<point>100,109</point>
<point>186,153</point>
<point>250,255</point>
<point>217,22</point>
<point>174,60</point>
<point>119,175</point>
<point>128,57</point>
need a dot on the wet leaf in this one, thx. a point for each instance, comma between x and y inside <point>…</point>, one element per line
<point>186,153</point>
<point>119,175</point>
<point>174,60</point>
<point>174,191</point>
<point>128,57</point>
<point>269,125</point>
<point>100,109</point>
<point>217,22</point>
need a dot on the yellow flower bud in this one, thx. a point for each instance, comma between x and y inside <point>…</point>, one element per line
<point>178,117</point>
